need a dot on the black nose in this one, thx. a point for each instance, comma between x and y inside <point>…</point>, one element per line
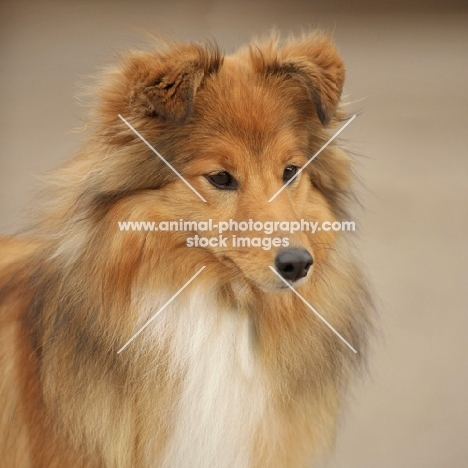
<point>293,264</point>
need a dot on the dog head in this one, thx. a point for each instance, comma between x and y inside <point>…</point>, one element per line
<point>236,129</point>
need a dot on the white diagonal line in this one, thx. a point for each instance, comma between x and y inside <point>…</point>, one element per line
<point>161,309</point>
<point>313,310</point>
<point>160,157</point>
<point>312,158</point>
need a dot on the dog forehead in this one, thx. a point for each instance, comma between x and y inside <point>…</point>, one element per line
<point>238,107</point>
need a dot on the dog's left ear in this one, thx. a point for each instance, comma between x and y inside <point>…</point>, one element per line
<point>314,63</point>
<point>164,84</point>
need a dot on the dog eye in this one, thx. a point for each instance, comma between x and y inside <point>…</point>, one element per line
<point>223,180</point>
<point>289,172</point>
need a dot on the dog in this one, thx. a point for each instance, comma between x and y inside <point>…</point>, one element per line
<point>137,348</point>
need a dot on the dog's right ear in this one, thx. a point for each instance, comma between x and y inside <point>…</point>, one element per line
<point>164,84</point>
<point>312,62</point>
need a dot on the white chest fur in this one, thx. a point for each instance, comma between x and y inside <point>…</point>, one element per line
<point>223,396</point>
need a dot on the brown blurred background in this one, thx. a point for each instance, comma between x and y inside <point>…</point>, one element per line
<point>407,68</point>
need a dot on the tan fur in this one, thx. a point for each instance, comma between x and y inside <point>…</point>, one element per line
<point>236,372</point>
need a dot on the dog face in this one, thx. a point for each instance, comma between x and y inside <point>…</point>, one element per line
<point>246,147</point>
<point>237,129</point>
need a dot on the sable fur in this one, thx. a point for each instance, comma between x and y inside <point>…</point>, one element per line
<point>235,373</point>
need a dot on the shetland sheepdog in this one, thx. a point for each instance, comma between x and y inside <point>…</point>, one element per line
<point>138,348</point>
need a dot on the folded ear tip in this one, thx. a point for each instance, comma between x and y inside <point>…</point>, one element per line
<point>323,116</point>
<point>312,60</point>
<point>164,83</point>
